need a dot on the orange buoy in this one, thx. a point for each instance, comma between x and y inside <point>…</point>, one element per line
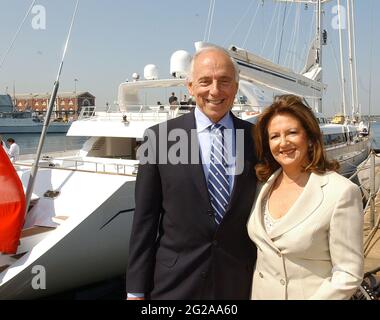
<point>12,205</point>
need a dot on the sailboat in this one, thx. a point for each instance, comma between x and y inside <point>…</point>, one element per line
<point>80,215</point>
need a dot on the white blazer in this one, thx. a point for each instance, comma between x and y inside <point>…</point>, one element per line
<point>316,250</point>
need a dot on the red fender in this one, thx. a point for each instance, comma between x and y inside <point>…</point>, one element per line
<point>12,205</point>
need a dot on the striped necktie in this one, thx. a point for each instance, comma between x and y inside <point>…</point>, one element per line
<point>218,180</point>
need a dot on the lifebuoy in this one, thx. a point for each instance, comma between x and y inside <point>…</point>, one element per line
<point>12,205</point>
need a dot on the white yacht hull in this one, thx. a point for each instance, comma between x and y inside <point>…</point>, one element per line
<point>350,156</point>
<point>91,245</point>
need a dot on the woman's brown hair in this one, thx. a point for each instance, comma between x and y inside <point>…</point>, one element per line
<point>293,106</point>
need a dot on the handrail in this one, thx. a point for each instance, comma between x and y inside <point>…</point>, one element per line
<point>92,111</point>
<point>94,166</point>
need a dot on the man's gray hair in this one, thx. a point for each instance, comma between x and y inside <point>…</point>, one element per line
<point>211,48</point>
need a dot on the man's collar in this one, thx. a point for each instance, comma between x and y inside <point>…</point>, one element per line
<point>203,122</point>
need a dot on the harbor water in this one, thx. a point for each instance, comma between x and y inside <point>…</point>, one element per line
<point>54,142</point>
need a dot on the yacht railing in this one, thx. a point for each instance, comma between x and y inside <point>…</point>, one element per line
<point>86,166</point>
<point>151,112</point>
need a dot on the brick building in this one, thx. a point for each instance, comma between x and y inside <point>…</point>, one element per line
<point>67,103</point>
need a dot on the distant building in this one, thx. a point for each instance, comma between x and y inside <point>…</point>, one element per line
<point>6,104</point>
<point>67,103</point>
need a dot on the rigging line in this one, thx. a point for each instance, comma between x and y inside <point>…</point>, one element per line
<point>336,64</point>
<point>282,29</point>
<point>292,41</point>
<point>251,25</point>
<point>239,23</point>
<point>269,29</point>
<point>282,32</point>
<point>296,37</point>
<point>16,34</point>
<point>211,20</point>
<point>310,41</point>
<point>288,54</point>
<point>276,38</point>
<point>208,19</point>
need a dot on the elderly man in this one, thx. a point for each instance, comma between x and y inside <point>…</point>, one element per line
<point>189,237</point>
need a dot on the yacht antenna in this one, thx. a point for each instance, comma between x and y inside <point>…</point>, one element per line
<point>33,171</point>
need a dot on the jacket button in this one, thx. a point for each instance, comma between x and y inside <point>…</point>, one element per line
<point>279,254</point>
<point>261,275</point>
<point>215,243</point>
<point>282,281</point>
<point>210,213</point>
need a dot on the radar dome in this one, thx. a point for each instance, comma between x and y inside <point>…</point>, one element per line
<point>180,64</point>
<point>135,76</point>
<point>150,72</point>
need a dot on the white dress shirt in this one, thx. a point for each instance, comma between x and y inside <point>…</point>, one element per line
<point>14,152</point>
<point>204,136</point>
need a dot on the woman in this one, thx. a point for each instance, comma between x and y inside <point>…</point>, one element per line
<point>307,220</point>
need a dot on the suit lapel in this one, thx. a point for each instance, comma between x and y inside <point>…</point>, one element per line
<point>240,158</point>
<point>259,213</point>
<point>241,155</point>
<point>195,171</point>
<point>309,200</point>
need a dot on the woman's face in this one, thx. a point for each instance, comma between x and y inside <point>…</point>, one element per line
<point>288,141</point>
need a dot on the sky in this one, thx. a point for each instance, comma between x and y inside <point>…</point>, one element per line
<point>113,39</point>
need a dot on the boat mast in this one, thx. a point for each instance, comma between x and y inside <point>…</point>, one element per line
<point>354,58</point>
<point>318,43</point>
<point>341,59</point>
<point>350,60</point>
<point>319,48</point>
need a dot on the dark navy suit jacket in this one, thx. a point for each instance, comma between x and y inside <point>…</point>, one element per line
<point>177,251</point>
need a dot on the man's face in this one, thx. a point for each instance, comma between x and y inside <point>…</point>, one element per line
<point>213,84</point>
